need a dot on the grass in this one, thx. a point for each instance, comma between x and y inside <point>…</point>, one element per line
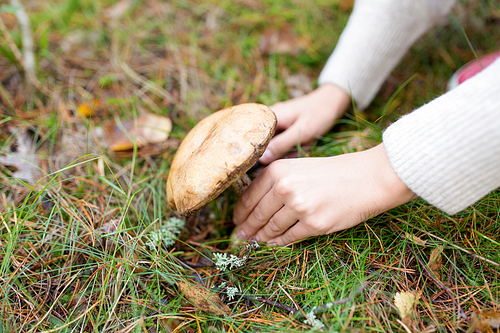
<point>73,244</point>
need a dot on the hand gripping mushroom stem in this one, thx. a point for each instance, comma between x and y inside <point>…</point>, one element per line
<point>217,153</point>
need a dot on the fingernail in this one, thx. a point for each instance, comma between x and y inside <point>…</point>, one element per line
<point>272,244</point>
<point>268,155</point>
<point>255,238</point>
<point>241,234</point>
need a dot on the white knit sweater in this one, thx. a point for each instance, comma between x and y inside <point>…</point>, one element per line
<point>447,151</point>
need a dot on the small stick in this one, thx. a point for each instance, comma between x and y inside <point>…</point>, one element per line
<point>24,22</point>
<point>269,302</point>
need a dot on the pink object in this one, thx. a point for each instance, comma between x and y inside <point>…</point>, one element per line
<point>472,68</point>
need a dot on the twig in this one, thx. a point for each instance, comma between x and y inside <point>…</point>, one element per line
<point>288,295</point>
<point>28,60</point>
<point>24,22</point>
<point>269,302</point>
<point>436,281</point>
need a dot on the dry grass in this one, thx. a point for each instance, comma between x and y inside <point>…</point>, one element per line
<point>73,256</point>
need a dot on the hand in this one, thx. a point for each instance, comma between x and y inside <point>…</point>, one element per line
<point>304,118</point>
<point>294,199</point>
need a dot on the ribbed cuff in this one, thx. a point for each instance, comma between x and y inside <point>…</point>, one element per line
<point>448,151</point>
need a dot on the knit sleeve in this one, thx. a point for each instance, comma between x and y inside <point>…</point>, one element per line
<point>375,39</point>
<point>448,151</point>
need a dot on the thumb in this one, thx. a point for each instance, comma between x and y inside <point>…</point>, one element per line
<point>281,144</point>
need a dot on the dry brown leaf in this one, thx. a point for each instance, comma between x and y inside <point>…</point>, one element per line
<point>346,5</point>
<point>9,20</point>
<point>282,40</point>
<point>485,320</point>
<point>203,298</point>
<point>150,127</point>
<point>436,261</point>
<point>415,239</point>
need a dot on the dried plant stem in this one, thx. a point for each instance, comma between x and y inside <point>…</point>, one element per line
<point>24,22</point>
<point>27,60</point>
<point>269,302</point>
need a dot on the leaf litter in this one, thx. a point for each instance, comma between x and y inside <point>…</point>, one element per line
<point>82,254</point>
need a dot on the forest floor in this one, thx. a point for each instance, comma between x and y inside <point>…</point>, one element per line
<point>77,214</point>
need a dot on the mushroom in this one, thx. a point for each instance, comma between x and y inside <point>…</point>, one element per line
<point>217,153</point>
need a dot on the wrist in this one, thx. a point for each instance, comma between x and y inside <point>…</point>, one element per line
<point>334,97</point>
<point>392,190</point>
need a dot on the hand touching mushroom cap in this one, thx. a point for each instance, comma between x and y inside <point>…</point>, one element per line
<point>217,152</point>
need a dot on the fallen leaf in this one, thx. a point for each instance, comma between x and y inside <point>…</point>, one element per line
<point>87,110</point>
<point>9,19</point>
<point>170,325</point>
<point>148,128</point>
<point>436,261</point>
<point>484,320</point>
<point>346,5</point>
<point>282,40</point>
<point>21,156</point>
<point>406,302</point>
<point>414,239</point>
<point>203,298</point>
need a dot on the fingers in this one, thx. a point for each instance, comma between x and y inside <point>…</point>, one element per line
<point>252,196</point>
<point>297,232</point>
<point>260,217</point>
<point>282,143</point>
<point>276,225</point>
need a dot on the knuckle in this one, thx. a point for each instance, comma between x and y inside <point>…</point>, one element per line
<point>274,226</point>
<point>301,205</point>
<point>283,187</point>
<point>245,200</point>
<point>274,169</point>
<point>289,238</point>
<point>258,215</point>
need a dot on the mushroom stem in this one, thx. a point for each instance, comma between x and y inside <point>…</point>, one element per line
<point>241,184</point>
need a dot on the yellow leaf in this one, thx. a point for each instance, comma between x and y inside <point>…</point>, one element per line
<point>405,303</point>
<point>88,109</point>
<point>415,239</point>
<point>85,110</point>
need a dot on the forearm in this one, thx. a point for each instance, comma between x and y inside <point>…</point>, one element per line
<point>375,39</point>
<point>448,151</point>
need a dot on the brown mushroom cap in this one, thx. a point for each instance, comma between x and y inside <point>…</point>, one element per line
<point>216,152</point>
